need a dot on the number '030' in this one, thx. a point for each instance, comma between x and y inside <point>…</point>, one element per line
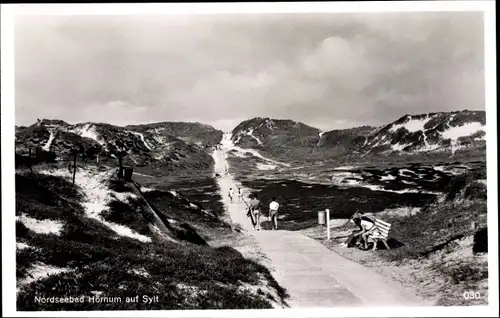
<point>472,295</point>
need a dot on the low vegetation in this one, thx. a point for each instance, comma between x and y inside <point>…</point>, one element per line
<point>441,255</point>
<point>84,258</point>
<point>300,202</point>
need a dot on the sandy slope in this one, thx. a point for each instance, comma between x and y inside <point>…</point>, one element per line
<point>313,275</point>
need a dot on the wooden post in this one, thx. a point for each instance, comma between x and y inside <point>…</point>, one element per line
<point>327,224</point>
<point>29,161</point>
<point>473,225</point>
<point>120,163</point>
<point>74,166</point>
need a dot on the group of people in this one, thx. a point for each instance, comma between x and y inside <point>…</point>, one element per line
<point>254,209</point>
<point>366,227</point>
<point>359,238</point>
<point>231,194</point>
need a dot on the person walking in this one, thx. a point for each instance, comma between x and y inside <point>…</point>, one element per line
<point>255,209</point>
<point>230,194</point>
<point>273,213</point>
<point>240,194</point>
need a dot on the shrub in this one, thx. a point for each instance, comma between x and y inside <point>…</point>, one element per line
<point>457,187</point>
<point>45,188</point>
<point>464,272</point>
<point>21,230</point>
<point>130,214</point>
<point>480,241</point>
<point>119,186</point>
<point>475,191</point>
<point>433,227</point>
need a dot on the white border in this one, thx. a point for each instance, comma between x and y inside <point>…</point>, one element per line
<point>7,116</point>
<point>250,7</point>
<point>490,67</point>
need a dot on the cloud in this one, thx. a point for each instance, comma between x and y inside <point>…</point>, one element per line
<point>117,112</point>
<point>326,69</point>
<point>335,57</point>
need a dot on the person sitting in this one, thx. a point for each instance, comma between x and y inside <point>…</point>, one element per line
<point>355,237</point>
<point>368,227</point>
<point>365,217</point>
<point>359,237</point>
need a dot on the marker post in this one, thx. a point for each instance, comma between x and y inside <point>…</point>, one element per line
<point>328,224</point>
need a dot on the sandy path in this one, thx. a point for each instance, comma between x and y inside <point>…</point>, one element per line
<point>313,275</point>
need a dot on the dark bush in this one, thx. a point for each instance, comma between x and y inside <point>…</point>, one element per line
<point>119,186</point>
<point>46,156</point>
<point>456,185</point>
<point>480,241</point>
<point>45,188</point>
<point>129,214</point>
<point>21,230</point>
<point>87,230</point>
<point>465,272</point>
<point>475,191</point>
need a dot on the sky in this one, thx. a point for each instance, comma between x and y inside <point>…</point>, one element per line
<point>328,70</point>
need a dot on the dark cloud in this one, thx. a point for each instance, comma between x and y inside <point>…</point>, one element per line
<point>329,70</point>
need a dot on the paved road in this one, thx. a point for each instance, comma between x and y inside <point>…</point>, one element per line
<point>313,275</point>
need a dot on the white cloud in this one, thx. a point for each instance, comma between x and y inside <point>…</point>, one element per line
<point>361,68</point>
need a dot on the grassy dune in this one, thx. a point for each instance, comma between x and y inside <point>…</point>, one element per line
<point>63,252</point>
<point>442,256</point>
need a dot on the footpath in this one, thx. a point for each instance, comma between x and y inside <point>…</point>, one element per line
<point>313,275</point>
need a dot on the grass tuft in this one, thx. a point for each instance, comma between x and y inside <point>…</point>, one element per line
<point>120,267</point>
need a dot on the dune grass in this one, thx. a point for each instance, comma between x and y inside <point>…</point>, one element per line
<point>100,262</point>
<point>300,202</point>
<point>437,256</point>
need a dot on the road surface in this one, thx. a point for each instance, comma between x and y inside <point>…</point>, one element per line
<point>313,275</point>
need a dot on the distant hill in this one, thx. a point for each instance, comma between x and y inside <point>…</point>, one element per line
<point>266,132</point>
<point>438,132</point>
<point>346,139</point>
<point>195,133</point>
<point>142,144</point>
<point>433,135</point>
<point>281,139</point>
<point>179,145</point>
